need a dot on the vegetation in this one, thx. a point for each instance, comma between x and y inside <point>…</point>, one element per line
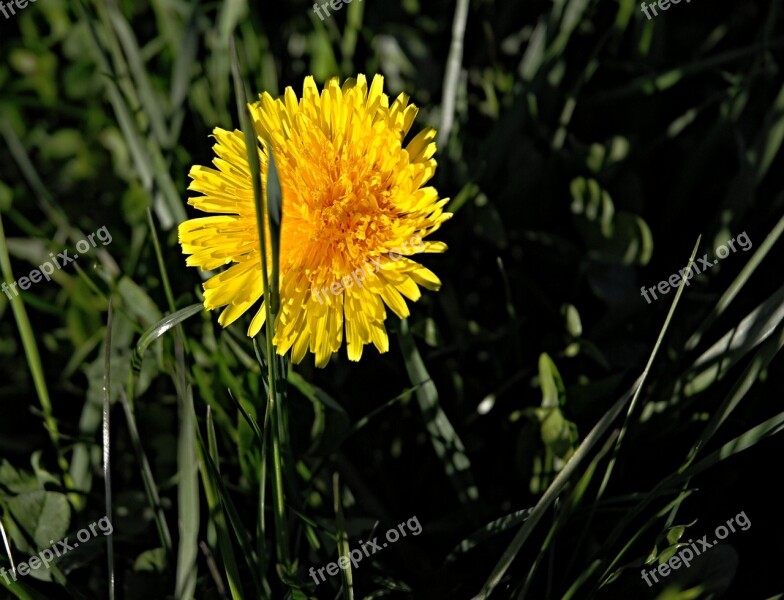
<point>553,432</point>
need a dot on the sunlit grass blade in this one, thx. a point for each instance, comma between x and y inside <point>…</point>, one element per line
<point>343,547</point>
<point>742,338</point>
<point>188,509</point>
<point>491,529</point>
<point>639,531</point>
<point>633,403</point>
<point>7,547</point>
<point>616,451</point>
<point>741,443</point>
<point>107,455</point>
<point>742,386</point>
<point>737,285</point>
<point>751,374</point>
<point>152,334</point>
<point>452,73</point>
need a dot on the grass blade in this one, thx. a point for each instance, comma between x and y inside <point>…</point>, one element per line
<point>278,437</point>
<point>187,500</point>
<point>737,285</point>
<point>342,538</point>
<point>633,404</point>
<point>447,443</point>
<point>559,483</point>
<point>754,329</point>
<point>151,490</point>
<point>240,532</point>
<point>157,330</point>
<point>275,214</point>
<point>217,516</point>
<point>107,467</point>
<point>452,75</point>
<point>493,528</point>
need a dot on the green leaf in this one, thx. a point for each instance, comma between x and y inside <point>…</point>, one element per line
<point>17,482</point>
<point>675,533</point>
<point>553,390</point>
<point>42,514</point>
<point>151,560</point>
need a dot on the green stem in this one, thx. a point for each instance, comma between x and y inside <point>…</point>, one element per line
<point>161,265</point>
<point>276,428</point>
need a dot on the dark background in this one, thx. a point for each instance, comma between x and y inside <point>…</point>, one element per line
<point>677,121</point>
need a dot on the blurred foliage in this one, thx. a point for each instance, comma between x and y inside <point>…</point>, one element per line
<point>591,147</point>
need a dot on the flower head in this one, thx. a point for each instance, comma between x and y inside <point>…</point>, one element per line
<point>355,212</point>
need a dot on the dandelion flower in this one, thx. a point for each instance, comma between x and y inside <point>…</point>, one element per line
<point>356,211</point>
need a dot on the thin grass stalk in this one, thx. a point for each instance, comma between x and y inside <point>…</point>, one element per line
<point>342,541</point>
<point>559,483</point>
<point>7,546</point>
<point>165,277</point>
<point>633,403</point>
<point>629,412</point>
<point>452,75</point>
<point>737,285</point>
<point>107,468</point>
<point>148,480</point>
<point>276,428</point>
<point>161,265</point>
